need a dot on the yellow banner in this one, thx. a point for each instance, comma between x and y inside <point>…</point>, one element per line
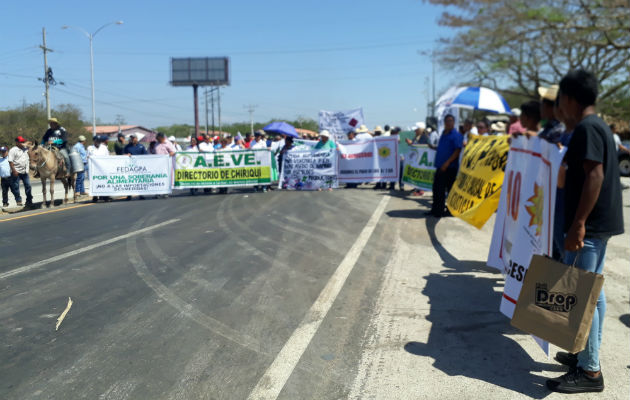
<point>477,189</point>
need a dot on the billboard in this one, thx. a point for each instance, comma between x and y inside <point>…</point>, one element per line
<point>200,71</point>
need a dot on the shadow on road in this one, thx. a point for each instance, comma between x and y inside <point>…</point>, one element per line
<point>625,319</point>
<point>467,336</point>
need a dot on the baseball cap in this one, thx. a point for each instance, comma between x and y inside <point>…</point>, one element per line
<point>516,112</point>
<point>324,133</point>
<point>171,138</point>
<point>3,148</point>
<point>20,139</point>
<point>420,125</point>
<point>120,134</point>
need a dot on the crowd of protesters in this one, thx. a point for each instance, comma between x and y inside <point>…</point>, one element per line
<point>588,209</point>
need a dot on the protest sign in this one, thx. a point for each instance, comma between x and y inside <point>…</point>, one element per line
<point>339,123</point>
<point>130,175</point>
<point>223,169</point>
<point>418,168</point>
<point>309,170</point>
<point>475,195</point>
<point>373,160</point>
<point>524,223</point>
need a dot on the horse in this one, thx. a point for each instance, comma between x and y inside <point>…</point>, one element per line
<point>51,167</point>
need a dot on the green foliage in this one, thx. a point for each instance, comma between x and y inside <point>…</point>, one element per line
<point>184,130</point>
<point>29,120</point>
<point>526,44</point>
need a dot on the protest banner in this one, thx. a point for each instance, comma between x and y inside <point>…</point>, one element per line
<point>418,168</point>
<point>309,170</point>
<point>475,195</point>
<point>339,123</point>
<point>373,160</point>
<point>130,175</point>
<point>232,168</point>
<point>524,223</point>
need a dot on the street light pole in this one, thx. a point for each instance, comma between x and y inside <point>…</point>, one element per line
<point>90,36</point>
<point>92,78</point>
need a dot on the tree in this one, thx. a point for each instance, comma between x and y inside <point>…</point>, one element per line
<point>29,120</point>
<point>526,44</point>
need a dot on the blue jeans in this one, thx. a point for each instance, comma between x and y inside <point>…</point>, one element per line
<point>78,186</point>
<point>14,181</point>
<point>591,258</point>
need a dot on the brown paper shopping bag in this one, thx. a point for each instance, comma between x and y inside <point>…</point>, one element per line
<point>557,303</point>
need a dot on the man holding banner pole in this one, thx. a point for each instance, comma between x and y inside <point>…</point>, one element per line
<point>446,164</point>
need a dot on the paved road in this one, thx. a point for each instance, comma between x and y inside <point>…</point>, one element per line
<point>348,294</point>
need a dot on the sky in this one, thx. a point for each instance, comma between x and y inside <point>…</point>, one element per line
<point>289,58</point>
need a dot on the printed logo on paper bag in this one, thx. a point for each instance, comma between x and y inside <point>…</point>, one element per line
<point>552,301</point>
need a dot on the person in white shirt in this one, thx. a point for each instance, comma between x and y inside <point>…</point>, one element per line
<point>205,145</point>
<point>363,133</point>
<point>482,128</point>
<point>19,161</point>
<point>99,148</point>
<point>174,142</point>
<point>193,146</point>
<point>620,146</point>
<point>258,142</point>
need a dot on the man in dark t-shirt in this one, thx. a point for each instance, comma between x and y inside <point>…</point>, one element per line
<point>593,213</point>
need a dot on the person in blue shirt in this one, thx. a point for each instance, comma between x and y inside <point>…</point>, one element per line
<point>79,147</point>
<point>5,175</point>
<point>446,165</point>
<point>133,148</point>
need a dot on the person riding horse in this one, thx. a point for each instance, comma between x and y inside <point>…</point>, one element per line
<point>56,136</point>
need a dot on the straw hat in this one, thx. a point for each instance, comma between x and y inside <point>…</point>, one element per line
<point>548,93</point>
<point>362,129</point>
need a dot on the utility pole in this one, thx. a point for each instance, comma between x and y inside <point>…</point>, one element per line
<point>46,50</point>
<point>205,96</point>
<point>212,107</point>
<point>219,105</point>
<point>433,64</point>
<point>250,109</point>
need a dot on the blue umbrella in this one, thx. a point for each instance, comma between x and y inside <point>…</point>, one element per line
<point>282,128</point>
<point>478,98</point>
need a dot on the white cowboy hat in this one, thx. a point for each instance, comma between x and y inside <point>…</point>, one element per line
<point>324,133</point>
<point>362,129</point>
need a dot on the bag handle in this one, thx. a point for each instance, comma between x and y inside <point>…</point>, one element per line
<point>575,260</point>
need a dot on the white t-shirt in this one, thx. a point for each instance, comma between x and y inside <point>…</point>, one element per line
<point>258,145</point>
<point>19,158</point>
<point>177,146</point>
<point>102,150</point>
<point>617,140</point>
<point>192,148</point>
<point>206,147</point>
<point>363,136</point>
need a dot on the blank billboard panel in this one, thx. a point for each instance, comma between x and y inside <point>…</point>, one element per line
<point>206,71</point>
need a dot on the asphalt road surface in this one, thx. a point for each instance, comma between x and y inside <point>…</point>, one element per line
<point>289,295</point>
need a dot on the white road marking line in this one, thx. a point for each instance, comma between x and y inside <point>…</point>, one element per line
<point>276,376</point>
<point>38,264</point>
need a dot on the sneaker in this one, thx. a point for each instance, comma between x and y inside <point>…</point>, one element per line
<point>5,205</point>
<point>576,381</point>
<point>568,359</point>
<point>19,204</point>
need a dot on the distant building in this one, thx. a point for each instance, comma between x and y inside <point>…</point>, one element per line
<point>143,134</point>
